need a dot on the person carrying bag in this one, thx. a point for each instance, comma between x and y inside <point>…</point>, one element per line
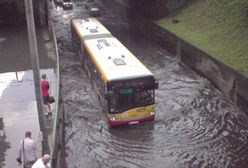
<point>47,99</point>
<point>27,151</point>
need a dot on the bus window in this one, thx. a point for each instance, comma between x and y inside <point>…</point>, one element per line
<point>82,49</point>
<point>144,97</point>
<point>121,100</point>
<point>125,100</point>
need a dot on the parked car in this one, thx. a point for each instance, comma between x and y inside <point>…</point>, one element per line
<point>67,4</point>
<point>94,12</point>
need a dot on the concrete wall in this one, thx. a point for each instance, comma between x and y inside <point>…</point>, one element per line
<point>154,9</point>
<point>12,14</point>
<point>150,9</point>
<point>117,7</point>
<point>231,83</point>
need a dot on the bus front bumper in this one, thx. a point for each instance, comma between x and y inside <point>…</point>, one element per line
<point>130,122</point>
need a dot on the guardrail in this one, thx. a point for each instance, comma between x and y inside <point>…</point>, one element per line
<point>57,147</point>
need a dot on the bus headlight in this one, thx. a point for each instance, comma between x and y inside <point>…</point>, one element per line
<point>112,119</point>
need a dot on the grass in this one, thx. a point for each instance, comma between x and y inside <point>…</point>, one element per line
<point>219,27</point>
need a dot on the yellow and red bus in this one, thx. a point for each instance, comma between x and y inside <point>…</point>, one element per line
<point>126,88</point>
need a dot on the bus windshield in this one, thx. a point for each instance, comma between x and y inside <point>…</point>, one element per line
<point>125,99</point>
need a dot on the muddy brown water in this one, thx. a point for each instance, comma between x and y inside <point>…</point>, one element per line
<point>195,125</point>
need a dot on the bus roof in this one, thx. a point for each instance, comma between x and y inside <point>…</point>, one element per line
<point>114,60</point>
<point>89,27</point>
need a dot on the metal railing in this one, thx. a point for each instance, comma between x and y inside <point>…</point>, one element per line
<point>57,145</point>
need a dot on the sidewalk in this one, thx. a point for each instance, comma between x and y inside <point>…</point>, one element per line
<point>17,94</point>
<point>19,112</point>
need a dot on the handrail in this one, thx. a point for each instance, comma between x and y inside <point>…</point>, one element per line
<point>57,138</point>
<point>57,145</point>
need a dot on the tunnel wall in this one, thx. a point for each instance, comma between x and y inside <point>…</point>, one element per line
<point>154,9</point>
<point>13,14</point>
<point>231,83</point>
<point>151,9</point>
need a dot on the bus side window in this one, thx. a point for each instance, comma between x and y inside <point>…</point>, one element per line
<point>86,56</point>
<point>78,43</point>
<point>101,85</point>
<point>74,38</point>
<point>98,80</point>
<point>82,50</point>
<point>95,74</point>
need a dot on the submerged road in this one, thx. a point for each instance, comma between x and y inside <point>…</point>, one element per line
<point>195,125</point>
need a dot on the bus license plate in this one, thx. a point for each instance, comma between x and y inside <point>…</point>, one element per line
<point>133,122</point>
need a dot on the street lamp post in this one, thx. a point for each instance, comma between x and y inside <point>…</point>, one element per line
<point>36,72</point>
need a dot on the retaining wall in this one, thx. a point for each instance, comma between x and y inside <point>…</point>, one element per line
<point>155,9</point>
<point>231,83</point>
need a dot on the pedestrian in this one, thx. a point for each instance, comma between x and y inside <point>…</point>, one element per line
<point>42,162</point>
<point>27,151</point>
<point>45,93</point>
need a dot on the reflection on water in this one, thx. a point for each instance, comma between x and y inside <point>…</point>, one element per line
<point>3,144</point>
<point>195,125</point>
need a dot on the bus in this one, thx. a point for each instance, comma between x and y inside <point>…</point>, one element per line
<point>125,87</point>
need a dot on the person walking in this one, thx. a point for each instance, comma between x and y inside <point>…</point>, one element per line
<point>27,151</point>
<point>42,162</point>
<point>45,93</point>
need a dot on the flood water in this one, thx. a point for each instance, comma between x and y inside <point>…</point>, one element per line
<point>195,125</point>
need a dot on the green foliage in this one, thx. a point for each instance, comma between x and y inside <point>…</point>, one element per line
<point>219,27</point>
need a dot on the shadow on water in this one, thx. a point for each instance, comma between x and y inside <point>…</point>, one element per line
<point>3,144</point>
<point>195,125</point>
